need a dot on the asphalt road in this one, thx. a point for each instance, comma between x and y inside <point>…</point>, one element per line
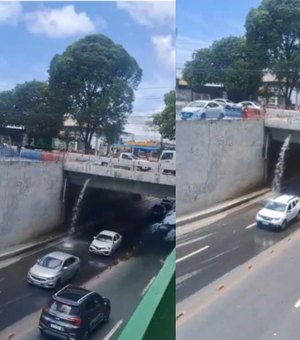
<point>209,252</point>
<point>262,303</point>
<point>121,277</point>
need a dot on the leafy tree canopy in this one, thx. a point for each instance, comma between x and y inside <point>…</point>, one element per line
<point>273,32</point>
<point>95,80</point>
<point>225,62</point>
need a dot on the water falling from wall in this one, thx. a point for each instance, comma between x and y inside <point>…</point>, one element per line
<point>76,209</point>
<point>279,169</point>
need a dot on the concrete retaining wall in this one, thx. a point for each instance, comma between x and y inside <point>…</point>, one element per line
<point>217,160</point>
<point>29,199</point>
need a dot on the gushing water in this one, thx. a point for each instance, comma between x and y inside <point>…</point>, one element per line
<point>76,209</point>
<point>279,169</point>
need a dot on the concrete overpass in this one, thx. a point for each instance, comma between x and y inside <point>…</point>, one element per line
<point>121,175</point>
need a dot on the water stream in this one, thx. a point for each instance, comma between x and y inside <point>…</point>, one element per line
<point>76,209</point>
<point>280,166</point>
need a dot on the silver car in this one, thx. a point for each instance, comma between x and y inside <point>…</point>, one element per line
<point>53,270</point>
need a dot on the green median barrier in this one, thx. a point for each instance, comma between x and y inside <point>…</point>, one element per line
<point>154,318</point>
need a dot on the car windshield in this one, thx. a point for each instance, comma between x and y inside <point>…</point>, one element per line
<point>134,157</point>
<point>197,104</point>
<point>276,206</point>
<point>104,238</point>
<point>63,308</point>
<point>50,262</point>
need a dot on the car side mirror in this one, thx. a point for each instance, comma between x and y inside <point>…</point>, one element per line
<point>64,268</point>
<point>94,237</point>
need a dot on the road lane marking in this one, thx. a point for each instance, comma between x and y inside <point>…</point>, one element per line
<point>194,240</point>
<point>192,254</point>
<point>297,304</point>
<point>148,285</point>
<point>251,226</point>
<point>113,330</point>
<point>16,299</point>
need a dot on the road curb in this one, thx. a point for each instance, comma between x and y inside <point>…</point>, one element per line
<point>33,246</point>
<point>181,221</point>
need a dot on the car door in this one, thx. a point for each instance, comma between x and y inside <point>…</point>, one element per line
<point>289,213</point>
<point>117,241</point>
<point>72,266</point>
<point>100,308</point>
<point>66,270</point>
<point>209,110</point>
<point>294,209</point>
<point>91,312</point>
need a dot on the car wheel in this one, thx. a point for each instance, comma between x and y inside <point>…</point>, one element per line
<point>106,317</point>
<point>203,116</point>
<point>284,225</point>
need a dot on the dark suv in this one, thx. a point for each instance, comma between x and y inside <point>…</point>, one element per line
<point>73,313</point>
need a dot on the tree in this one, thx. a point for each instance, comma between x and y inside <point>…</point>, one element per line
<point>95,80</point>
<point>33,108</point>
<point>273,32</point>
<point>165,121</point>
<point>226,62</point>
<point>6,105</point>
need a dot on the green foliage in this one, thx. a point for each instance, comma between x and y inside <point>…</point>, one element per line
<point>166,120</point>
<point>29,105</point>
<point>95,80</point>
<point>226,62</point>
<point>6,105</point>
<point>273,31</point>
<point>33,108</point>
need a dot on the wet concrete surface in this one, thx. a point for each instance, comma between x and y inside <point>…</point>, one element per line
<point>18,299</point>
<point>212,251</point>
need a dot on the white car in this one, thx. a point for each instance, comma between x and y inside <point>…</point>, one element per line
<point>279,212</point>
<point>171,236</point>
<point>168,223</point>
<point>202,109</point>
<point>250,105</point>
<point>105,243</point>
<point>224,102</point>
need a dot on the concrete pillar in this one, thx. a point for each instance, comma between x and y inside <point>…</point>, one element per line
<point>266,154</point>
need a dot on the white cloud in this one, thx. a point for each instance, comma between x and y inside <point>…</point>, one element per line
<point>150,14</point>
<point>165,51</point>
<point>59,23</point>
<point>10,12</point>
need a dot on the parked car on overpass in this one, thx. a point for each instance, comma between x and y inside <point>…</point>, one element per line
<point>224,102</point>
<point>202,109</point>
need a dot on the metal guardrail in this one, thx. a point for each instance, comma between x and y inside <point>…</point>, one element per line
<point>155,317</point>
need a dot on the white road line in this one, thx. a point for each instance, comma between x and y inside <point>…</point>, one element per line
<point>113,330</point>
<point>191,254</point>
<point>251,226</point>
<point>194,240</point>
<point>16,299</point>
<point>297,304</point>
<point>148,285</point>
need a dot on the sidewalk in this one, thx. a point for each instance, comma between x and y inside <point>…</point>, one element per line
<point>186,219</point>
<point>30,245</point>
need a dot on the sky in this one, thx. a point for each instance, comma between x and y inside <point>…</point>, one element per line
<point>31,33</point>
<point>200,22</point>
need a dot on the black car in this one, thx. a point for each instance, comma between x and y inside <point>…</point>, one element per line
<point>158,211</point>
<point>73,313</point>
<point>167,203</point>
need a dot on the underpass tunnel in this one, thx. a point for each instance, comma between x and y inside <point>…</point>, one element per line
<point>100,209</point>
<point>291,174</point>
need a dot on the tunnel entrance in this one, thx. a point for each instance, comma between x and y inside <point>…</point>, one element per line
<point>292,161</point>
